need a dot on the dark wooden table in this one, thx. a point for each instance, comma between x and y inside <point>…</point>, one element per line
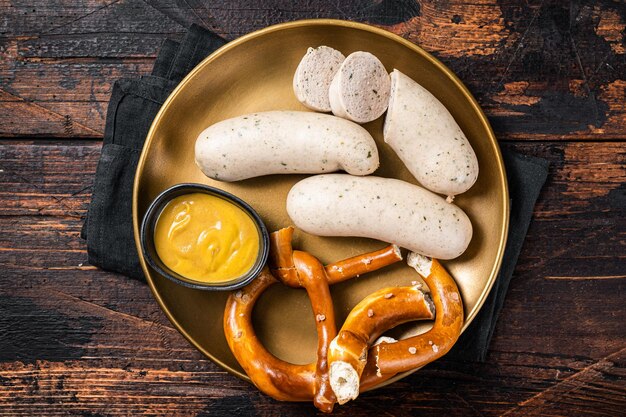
<point>75,340</point>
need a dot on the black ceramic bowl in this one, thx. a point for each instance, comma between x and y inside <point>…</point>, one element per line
<point>150,254</point>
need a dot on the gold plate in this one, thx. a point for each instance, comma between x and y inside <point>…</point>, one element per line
<point>254,73</point>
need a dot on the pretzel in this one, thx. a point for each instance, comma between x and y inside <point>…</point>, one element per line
<point>352,361</point>
<point>376,313</point>
<point>275,377</point>
<point>281,261</point>
<point>387,359</point>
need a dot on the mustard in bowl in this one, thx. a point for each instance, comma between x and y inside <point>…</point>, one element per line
<point>203,237</point>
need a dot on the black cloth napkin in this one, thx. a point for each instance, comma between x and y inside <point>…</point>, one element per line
<point>134,103</point>
<point>526,176</point>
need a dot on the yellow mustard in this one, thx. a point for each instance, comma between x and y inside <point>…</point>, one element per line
<point>206,238</point>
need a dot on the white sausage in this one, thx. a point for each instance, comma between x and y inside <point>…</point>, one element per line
<point>423,133</point>
<point>386,209</point>
<point>360,89</point>
<point>314,75</point>
<point>284,142</point>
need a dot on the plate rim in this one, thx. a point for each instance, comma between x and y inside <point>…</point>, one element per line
<point>321,22</point>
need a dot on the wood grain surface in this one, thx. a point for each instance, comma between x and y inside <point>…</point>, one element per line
<point>541,69</point>
<point>75,340</point>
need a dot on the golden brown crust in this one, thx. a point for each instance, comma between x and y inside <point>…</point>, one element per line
<point>279,379</point>
<point>282,266</point>
<point>313,278</point>
<point>362,264</point>
<point>375,314</point>
<point>351,348</point>
<point>281,257</point>
<point>387,308</point>
<point>388,359</point>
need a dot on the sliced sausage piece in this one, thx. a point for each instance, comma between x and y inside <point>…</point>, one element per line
<point>425,136</point>
<point>284,142</point>
<point>314,75</point>
<point>386,209</point>
<point>360,89</point>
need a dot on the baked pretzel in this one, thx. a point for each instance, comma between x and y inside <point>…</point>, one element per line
<point>388,358</point>
<point>341,363</point>
<point>375,314</point>
<point>282,265</point>
<point>275,377</point>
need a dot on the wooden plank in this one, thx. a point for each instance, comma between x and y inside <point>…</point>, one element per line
<point>187,387</point>
<point>598,388</point>
<point>80,340</point>
<point>16,110</point>
<point>64,58</point>
<point>541,70</point>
